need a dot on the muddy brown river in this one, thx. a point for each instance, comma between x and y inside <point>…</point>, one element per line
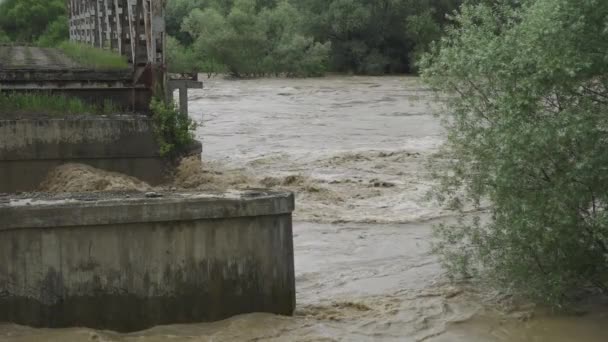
<point>353,148</point>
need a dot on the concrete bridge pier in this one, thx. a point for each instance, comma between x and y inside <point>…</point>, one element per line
<point>131,263</point>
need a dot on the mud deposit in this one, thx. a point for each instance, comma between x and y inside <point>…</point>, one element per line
<point>354,150</point>
<point>84,178</point>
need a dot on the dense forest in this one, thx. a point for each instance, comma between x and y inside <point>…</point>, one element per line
<point>304,37</point>
<point>42,22</point>
<point>268,37</point>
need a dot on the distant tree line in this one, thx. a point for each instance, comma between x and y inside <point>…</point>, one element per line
<point>248,38</point>
<point>43,22</point>
<point>303,37</point>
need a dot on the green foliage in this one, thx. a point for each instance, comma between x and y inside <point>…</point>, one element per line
<point>422,30</point>
<point>174,131</point>
<point>527,89</point>
<point>92,57</point>
<point>27,20</point>
<point>262,37</point>
<point>375,37</point>
<point>4,38</point>
<point>56,32</point>
<point>176,12</point>
<point>180,59</point>
<point>48,104</point>
<point>308,37</point>
<point>250,39</point>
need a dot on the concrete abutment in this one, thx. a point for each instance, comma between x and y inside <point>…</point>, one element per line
<point>130,263</point>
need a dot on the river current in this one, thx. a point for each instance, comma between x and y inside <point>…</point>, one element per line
<point>354,151</point>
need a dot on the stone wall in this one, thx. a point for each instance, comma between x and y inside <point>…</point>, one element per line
<point>30,147</point>
<point>131,263</point>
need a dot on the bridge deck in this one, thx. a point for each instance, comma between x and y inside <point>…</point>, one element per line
<point>35,58</point>
<point>26,66</point>
<point>27,69</point>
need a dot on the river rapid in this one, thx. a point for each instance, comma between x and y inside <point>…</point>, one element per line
<point>354,151</point>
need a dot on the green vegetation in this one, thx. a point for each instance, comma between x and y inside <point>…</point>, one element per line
<point>92,57</point>
<point>303,37</point>
<point>33,20</point>
<point>47,104</point>
<point>56,33</point>
<point>174,131</point>
<point>45,23</point>
<point>267,37</point>
<point>4,38</point>
<point>246,40</point>
<point>528,86</point>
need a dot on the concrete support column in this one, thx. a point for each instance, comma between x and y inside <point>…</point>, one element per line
<point>182,86</point>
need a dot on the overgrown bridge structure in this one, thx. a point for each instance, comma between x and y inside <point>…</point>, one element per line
<point>134,29</point>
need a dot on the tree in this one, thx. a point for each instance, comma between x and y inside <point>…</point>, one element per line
<point>290,52</point>
<point>4,38</point>
<point>180,59</point>
<point>176,12</point>
<point>359,36</point>
<point>375,37</point>
<point>57,32</point>
<point>27,20</point>
<point>252,40</point>
<point>526,84</point>
<point>422,30</point>
<point>236,39</point>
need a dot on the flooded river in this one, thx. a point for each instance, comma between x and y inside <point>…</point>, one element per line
<point>353,149</point>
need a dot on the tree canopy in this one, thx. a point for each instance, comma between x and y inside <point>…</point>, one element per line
<point>307,37</point>
<point>526,84</point>
<point>31,20</point>
<point>268,37</point>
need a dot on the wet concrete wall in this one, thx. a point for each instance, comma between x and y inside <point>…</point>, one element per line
<point>31,147</point>
<point>127,264</point>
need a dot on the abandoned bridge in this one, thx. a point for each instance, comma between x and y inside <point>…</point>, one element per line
<point>134,29</point>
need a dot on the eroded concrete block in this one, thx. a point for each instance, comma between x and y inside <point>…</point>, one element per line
<point>32,146</point>
<point>129,263</point>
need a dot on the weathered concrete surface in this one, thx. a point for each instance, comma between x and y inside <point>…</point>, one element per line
<point>32,69</point>
<point>131,263</point>
<point>31,147</point>
<point>30,64</point>
<point>32,58</point>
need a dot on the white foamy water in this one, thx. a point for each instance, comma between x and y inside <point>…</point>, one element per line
<point>358,142</point>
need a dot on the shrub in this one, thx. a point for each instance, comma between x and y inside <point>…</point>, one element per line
<point>527,91</point>
<point>174,130</point>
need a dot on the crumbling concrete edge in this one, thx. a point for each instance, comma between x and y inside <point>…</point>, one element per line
<point>20,214</point>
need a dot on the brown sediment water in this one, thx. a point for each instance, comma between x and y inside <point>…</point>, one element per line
<point>84,178</point>
<point>353,149</point>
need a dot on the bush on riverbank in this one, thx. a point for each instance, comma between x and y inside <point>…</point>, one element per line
<point>528,132</point>
<point>174,130</point>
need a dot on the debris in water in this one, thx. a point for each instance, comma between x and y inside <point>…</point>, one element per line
<point>153,195</point>
<point>85,178</point>
<point>192,174</point>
